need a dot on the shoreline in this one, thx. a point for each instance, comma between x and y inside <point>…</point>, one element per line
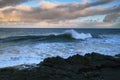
<point>26,66</point>
<point>92,66</point>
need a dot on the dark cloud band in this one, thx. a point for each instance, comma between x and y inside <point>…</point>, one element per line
<point>4,3</point>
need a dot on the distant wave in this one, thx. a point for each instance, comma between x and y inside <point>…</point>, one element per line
<point>66,35</point>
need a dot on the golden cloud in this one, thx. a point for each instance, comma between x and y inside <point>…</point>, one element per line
<point>52,12</point>
<point>47,5</point>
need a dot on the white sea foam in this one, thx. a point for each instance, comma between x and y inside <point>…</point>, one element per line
<point>77,35</point>
<point>73,34</point>
<point>13,55</point>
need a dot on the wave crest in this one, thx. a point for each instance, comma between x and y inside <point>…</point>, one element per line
<point>66,35</point>
<point>77,35</point>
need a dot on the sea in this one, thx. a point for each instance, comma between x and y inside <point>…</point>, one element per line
<point>29,46</point>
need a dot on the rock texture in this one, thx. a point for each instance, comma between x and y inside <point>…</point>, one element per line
<point>89,67</point>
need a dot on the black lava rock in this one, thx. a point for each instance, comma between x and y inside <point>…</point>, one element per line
<point>92,66</point>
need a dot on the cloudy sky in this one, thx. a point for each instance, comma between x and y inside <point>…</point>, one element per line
<point>60,13</point>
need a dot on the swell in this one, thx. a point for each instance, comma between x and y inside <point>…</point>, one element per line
<point>65,36</point>
<point>36,38</point>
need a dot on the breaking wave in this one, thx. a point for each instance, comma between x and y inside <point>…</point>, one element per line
<point>66,35</point>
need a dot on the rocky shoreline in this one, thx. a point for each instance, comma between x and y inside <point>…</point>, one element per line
<point>92,66</point>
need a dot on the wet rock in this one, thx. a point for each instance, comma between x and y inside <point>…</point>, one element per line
<point>92,66</point>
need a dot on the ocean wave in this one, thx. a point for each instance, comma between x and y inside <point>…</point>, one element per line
<point>66,35</point>
<point>21,53</point>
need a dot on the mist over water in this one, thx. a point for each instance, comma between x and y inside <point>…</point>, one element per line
<point>29,46</point>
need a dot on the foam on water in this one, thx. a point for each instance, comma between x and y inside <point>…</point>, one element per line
<point>12,55</point>
<point>77,35</point>
<point>71,34</point>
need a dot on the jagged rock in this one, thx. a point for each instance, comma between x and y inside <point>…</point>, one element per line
<point>92,66</point>
<point>54,61</point>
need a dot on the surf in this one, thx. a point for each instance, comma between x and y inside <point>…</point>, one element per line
<point>66,35</point>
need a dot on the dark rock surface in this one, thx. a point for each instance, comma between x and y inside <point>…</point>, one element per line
<point>89,67</point>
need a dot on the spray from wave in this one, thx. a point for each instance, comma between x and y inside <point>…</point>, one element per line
<point>21,51</point>
<point>67,35</point>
